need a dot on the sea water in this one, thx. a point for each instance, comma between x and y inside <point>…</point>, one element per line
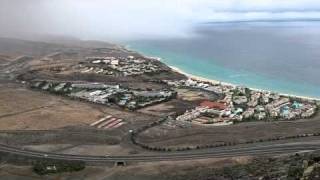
<point>277,56</point>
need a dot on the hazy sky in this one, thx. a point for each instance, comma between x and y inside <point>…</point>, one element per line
<point>123,19</point>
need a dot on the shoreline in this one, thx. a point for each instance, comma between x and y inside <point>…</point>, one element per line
<point>199,78</point>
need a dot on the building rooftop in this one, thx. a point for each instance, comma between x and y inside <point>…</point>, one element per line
<point>213,105</point>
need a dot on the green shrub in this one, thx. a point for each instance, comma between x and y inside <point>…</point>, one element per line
<point>43,167</point>
<point>295,172</point>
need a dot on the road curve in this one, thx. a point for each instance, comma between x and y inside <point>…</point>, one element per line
<point>170,156</point>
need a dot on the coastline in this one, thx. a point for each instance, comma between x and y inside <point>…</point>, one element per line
<point>199,78</point>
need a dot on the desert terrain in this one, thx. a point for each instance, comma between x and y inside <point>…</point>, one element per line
<point>49,121</point>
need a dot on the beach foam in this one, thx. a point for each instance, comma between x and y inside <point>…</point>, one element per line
<point>199,78</point>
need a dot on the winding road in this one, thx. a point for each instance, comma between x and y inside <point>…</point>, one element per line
<point>274,149</point>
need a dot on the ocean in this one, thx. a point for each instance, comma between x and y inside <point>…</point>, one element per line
<point>278,56</point>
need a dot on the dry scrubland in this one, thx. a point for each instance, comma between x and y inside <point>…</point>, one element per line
<point>298,166</point>
<point>139,171</point>
<point>22,109</point>
<point>89,149</point>
<point>41,121</point>
<point>186,99</point>
<point>239,133</point>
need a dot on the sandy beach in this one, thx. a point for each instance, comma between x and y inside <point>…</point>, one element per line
<point>199,78</point>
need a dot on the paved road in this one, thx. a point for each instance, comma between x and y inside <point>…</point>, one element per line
<point>167,156</point>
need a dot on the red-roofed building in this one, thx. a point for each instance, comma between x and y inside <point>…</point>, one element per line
<point>213,105</point>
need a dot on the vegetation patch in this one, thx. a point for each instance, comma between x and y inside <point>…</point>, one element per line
<point>44,167</point>
<point>298,166</point>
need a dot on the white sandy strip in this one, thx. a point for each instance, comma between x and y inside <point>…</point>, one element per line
<point>107,122</point>
<point>101,120</point>
<point>118,125</point>
<point>113,124</point>
<point>191,76</point>
<point>199,78</point>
